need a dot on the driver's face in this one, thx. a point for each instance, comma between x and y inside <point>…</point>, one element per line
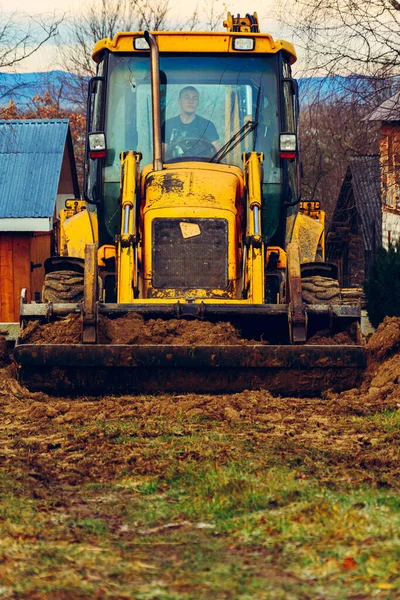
<point>189,102</point>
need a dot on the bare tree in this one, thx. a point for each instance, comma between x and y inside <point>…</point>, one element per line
<point>21,36</point>
<point>330,133</point>
<point>346,36</point>
<point>351,48</point>
<point>207,16</point>
<point>98,21</point>
<point>150,14</point>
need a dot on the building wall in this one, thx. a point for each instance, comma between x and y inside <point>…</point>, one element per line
<point>390,182</point>
<point>390,227</point>
<point>390,164</point>
<point>66,184</point>
<point>40,249</point>
<point>14,273</point>
<point>18,253</point>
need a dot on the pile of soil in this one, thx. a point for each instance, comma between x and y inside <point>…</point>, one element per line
<point>382,377</point>
<point>60,439</point>
<point>386,339</point>
<point>67,330</point>
<point>383,371</point>
<point>134,329</point>
<point>325,338</point>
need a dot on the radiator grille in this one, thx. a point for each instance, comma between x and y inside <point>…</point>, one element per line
<point>190,253</point>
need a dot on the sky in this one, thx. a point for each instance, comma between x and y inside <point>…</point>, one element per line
<point>46,58</point>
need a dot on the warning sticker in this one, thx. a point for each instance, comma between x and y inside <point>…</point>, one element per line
<point>189,230</point>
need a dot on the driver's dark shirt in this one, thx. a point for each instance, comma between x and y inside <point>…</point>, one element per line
<point>173,130</point>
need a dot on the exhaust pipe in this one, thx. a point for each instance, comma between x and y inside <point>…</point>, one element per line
<point>155,99</point>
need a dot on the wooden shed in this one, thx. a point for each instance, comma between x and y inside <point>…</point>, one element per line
<point>367,213</point>
<point>37,175</point>
<point>355,233</point>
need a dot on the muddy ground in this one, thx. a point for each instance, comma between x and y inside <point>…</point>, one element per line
<point>52,449</point>
<point>134,329</point>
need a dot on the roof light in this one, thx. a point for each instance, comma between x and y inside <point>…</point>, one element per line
<point>243,43</point>
<point>288,145</point>
<point>97,144</point>
<point>140,44</point>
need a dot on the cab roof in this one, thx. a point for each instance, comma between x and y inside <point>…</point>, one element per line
<point>196,42</point>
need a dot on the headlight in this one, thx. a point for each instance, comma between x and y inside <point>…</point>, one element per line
<point>243,43</point>
<point>140,44</point>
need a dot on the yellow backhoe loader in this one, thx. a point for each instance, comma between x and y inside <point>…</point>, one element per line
<point>192,211</point>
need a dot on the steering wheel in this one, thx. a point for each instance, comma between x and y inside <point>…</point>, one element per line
<point>191,147</point>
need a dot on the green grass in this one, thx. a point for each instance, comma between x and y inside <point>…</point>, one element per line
<point>389,420</point>
<point>195,508</point>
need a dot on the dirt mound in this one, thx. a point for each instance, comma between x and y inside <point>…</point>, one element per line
<point>325,338</point>
<point>382,378</point>
<point>386,339</point>
<point>133,329</point>
<point>66,330</point>
<point>11,388</point>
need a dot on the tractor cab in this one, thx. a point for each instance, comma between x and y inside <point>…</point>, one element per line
<point>236,88</point>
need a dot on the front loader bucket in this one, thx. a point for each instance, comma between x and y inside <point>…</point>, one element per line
<point>81,369</point>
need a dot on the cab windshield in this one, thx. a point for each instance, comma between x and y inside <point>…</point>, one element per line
<point>213,108</point>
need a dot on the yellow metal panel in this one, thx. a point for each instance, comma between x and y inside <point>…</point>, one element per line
<point>126,249</point>
<point>72,207</point>
<point>215,169</point>
<point>312,208</point>
<point>192,193</point>
<point>256,274</point>
<point>307,233</point>
<point>193,212</point>
<point>195,41</point>
<point>105,253</point>
<point>282,256</point>
<point>190,188</point>
<point>196,300</point>
<point>79,230</point>
<point>255,260</point>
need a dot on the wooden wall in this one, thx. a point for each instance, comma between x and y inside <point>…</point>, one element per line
<point>389,149</point>
<point>17,252</point>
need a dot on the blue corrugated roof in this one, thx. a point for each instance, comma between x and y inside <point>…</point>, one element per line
<point>31,153</point>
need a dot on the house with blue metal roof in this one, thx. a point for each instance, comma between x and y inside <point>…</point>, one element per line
<point>37,168</point>
<point>37,175</point>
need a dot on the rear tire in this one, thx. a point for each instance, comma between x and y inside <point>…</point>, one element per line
<point>321,290</point>
<point>63,287</point>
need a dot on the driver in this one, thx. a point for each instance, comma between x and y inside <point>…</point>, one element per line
<point>188,125</point>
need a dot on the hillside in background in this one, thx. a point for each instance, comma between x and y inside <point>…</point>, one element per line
<point>21,87</point>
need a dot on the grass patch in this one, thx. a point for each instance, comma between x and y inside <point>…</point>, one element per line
<point>389,420</point>
<point>287,503</point>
